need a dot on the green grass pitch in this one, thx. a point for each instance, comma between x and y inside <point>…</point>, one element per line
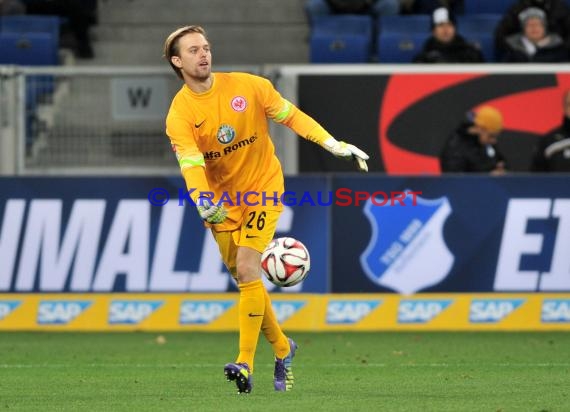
<point>333,372</point>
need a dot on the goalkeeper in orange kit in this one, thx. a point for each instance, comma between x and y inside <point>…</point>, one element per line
<point>217,125</point>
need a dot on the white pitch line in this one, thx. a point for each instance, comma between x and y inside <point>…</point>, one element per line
<point>328,365</point>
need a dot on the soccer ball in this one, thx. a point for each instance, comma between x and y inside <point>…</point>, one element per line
<point>285,262</point>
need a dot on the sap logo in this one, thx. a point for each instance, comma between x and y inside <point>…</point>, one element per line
<point>492,310</point>
<point>132,312</point>
<point>7,307</point>
<point>349,311</point>
<point>284,310</point>
<point>555,311</point>
<point>420,311</point>
<point>60,312</point>
<point>203,312</point>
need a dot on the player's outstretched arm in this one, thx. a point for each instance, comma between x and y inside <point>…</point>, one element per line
<point>308,128</point>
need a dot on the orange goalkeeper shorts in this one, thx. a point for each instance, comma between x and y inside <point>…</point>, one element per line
<point>256,232</point>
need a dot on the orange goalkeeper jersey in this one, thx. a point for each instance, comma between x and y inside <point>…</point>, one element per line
<point>221,139</point>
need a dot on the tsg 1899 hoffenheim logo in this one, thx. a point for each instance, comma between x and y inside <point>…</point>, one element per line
<point>407,251</point>
<point>226,134</point>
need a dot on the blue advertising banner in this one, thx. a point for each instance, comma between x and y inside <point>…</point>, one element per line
<point>109,234</point>
<point>365,234</point>
<point>451,234</point>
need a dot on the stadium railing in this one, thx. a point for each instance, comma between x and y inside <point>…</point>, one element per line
<point>110,120</point>
<point>97,120</point>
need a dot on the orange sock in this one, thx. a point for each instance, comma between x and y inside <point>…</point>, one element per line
<point>251,314</point>
<point>272,330</point>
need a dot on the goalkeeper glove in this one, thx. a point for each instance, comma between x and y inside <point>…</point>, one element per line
<point>347,151</point>
<point>210,212</point>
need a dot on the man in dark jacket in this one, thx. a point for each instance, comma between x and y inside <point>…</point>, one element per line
<point>445,45</point>
<point>552,152</point>
<point>472,147</point>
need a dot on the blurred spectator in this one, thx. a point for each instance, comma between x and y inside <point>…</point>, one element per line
<point>534,44</point>
<point>552,152</point>
<point>373,7</point>
<point>557,16</point>
<point>78,17</point>
<point>445,45</point>
<point>472,147</point>
<point>12,7</point>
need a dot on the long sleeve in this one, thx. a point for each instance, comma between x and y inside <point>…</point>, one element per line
<point>190,159</point>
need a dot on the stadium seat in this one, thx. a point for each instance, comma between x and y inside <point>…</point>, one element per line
<point>345,23</point>
<point>315,9</point>
<point>479,29</point>
<point>341,39</point>
<point>400,38</point>
<point>414,23</point>
<point>486,6</point>
<point>400,47</point>
<point>28,49</point>
<point>31,49</point>
<point>31,24</point>
<point>478,23</point>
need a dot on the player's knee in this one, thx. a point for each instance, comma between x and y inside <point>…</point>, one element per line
<point>248,272</point>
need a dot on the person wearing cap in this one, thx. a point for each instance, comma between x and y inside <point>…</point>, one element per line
<point>552,152</point>
<point>534,44</point>
<point>557,17</point>
<point>445,45</point>
<point>472,148</point>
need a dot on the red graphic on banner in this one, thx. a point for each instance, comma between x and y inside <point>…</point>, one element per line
<point>402,91</point>
<point>535,112</point>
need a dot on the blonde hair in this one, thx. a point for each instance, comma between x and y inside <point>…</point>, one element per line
<point>171,47</point>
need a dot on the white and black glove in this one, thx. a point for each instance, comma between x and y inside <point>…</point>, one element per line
<point>210,212</point>
<point>347,151</point>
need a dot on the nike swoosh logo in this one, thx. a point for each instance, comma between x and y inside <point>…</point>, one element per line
<point>197,125</point>
<point>250,236</point>
<point>253,315</point>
